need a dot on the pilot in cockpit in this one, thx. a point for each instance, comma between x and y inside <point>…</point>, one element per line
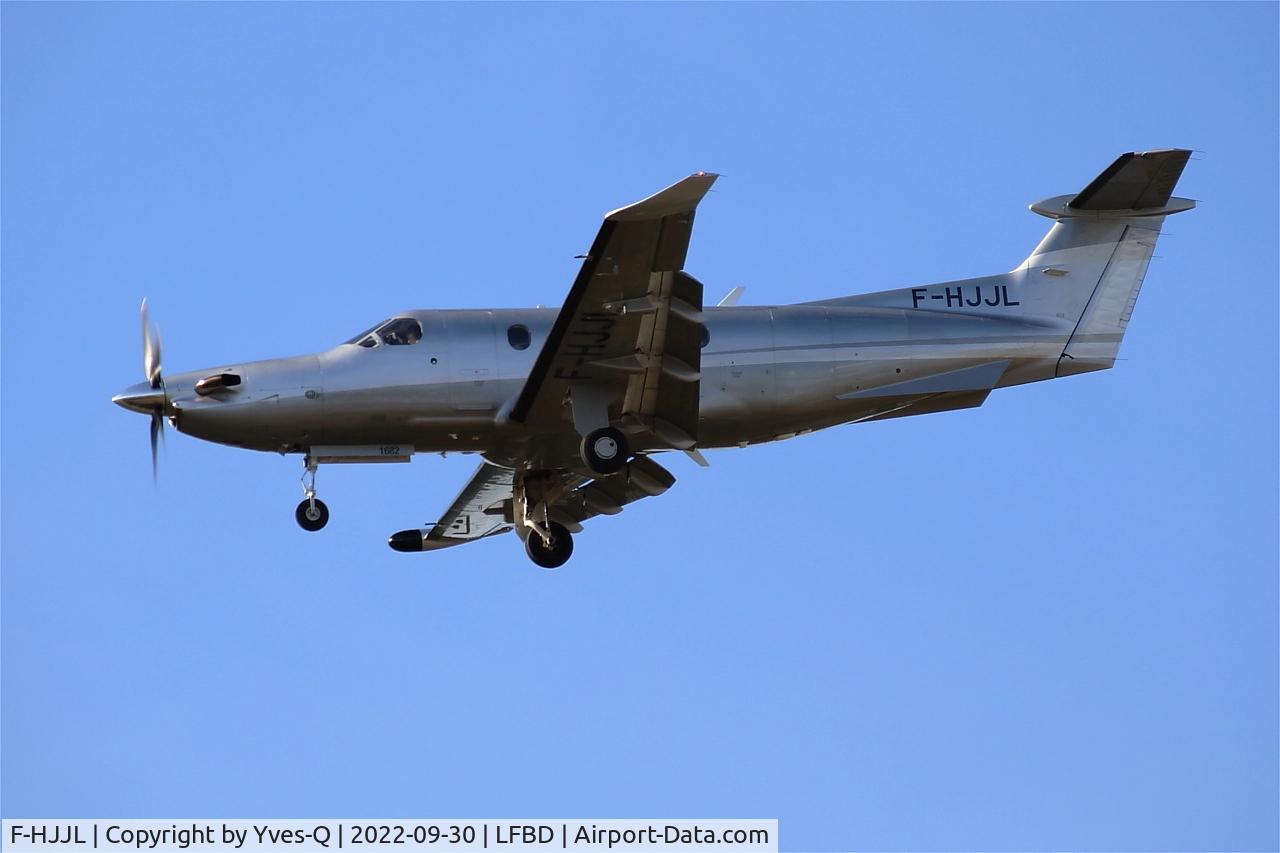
<point>400,332</point>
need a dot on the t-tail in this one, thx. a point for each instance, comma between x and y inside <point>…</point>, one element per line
<point>1099,247</point>
<point>1078,286</point>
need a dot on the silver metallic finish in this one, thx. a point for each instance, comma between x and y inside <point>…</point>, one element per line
<point>140,398</point>
<point>150,350</point>
<point>633,349</point>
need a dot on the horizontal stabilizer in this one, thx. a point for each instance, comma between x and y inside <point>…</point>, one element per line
<point>982,377</point>
<point>1135,181</point>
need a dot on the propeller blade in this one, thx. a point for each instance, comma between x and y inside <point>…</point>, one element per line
<point>157,433</point>
<point>150,350</point>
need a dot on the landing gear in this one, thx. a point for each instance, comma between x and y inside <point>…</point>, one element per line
<point>553,551</point>
<point>548,543</point>
<point>311,514</point>
<point>605,450</point>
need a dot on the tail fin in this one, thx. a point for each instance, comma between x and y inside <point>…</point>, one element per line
<point>1102,239</point>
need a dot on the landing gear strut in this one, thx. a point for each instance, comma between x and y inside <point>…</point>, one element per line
<point>548,543</point>
<point>311,514</point>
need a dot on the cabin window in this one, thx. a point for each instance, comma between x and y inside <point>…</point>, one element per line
<point>706,337</point>
<point>518,336</point>
<point>400,332</point>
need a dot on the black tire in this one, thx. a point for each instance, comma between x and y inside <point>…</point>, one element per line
<point>312,521</point>
<point>557,553</point>
<point>605,450</point>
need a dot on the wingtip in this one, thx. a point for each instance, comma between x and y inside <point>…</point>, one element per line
<point>681,196</point>
<point>407,541</point>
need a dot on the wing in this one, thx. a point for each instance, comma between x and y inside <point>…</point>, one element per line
<point>483,507</point>
<point>626,344</point>
<point>475,513</point>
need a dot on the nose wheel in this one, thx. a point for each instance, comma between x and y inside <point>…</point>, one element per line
<point>311,514</point>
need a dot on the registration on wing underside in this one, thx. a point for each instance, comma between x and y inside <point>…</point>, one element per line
<point>625,347</point>
<point>588,340</point>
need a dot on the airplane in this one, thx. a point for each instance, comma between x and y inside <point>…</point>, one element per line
<point>568,409</point>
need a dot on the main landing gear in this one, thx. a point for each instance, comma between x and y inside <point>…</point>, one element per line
<point>311,514</point>
<point>605,450</point>
<point>553,550</point>
<point>548,543</point>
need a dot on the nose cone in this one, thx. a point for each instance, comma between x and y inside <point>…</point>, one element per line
<point>140,398</point>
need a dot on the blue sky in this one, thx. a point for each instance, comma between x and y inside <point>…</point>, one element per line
<point>1047,623</point>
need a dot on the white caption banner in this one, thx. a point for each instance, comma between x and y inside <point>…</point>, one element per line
<point>371,836</point>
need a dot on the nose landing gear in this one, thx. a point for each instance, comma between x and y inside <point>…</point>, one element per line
<point>311,514</point>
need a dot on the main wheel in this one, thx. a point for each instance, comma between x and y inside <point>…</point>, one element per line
<point>605,450</point>
<point>312,518</point>
<point>556,554</point>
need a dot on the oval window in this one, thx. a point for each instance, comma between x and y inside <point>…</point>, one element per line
<point>518,336</point>
<point>706,337</point>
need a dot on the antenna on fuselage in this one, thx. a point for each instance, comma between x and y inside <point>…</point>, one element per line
<point>731,298</point>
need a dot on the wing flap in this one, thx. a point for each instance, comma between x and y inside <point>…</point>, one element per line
<point>641,478</point>
<point>482,509</point>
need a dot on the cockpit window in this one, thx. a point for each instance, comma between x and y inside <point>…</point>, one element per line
<point>363,336</point>
<point>395,332</point>
<point>400,332</point>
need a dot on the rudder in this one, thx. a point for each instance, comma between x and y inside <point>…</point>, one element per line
<point>1104,237</point>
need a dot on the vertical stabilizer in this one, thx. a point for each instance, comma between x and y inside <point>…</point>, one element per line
<point>1096,340</point>
<point>1099,247</point>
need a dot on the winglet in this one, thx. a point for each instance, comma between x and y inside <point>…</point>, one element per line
<point>680,197</point>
